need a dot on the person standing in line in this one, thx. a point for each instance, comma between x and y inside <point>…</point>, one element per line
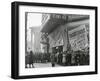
<point>53,59</point>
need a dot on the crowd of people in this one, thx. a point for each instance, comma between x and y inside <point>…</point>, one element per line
<point>32,58</point>
<point>72,58</point>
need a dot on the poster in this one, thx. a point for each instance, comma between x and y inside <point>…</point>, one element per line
<point>78,38</point>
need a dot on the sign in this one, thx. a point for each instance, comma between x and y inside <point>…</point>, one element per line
<point>78,38</point>
<point>55,38</point>
<point>59,16</point>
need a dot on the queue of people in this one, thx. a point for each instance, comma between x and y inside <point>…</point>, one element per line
<point>70,58</point>
<point>32,58</point>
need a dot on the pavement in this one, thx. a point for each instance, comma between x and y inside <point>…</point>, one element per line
<point>36,65</point>
<point>41,65</point>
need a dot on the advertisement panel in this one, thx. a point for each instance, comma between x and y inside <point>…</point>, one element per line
<point>78,38</point>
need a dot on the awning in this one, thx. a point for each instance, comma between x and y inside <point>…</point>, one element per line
<point>52,24</point>
<point>73,21</point>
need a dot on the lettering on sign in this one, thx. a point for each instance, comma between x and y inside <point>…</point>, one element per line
<point>78,38</point>
<point>59,16</point>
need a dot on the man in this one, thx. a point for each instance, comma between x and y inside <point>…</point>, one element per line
<point>53,59</point>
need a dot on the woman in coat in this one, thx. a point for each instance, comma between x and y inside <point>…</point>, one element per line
<point>31,59</point>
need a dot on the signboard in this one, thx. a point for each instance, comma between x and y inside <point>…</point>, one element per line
<point>78,38</point>
<point>59,16</point>
<point>55,38</point>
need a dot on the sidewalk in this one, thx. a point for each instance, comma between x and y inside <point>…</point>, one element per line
<point>40,65</point>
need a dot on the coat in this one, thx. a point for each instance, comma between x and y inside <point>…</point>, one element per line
<point>31,57</point>
<point>52,58</point>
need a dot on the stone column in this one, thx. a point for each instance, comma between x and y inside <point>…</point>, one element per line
<point>66,46</point>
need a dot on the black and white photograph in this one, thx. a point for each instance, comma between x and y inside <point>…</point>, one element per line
<point>50,42</point>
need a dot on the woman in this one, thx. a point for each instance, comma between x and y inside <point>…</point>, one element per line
<point>31,59</point>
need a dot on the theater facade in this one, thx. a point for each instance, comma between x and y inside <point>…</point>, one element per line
<point>67,36</point>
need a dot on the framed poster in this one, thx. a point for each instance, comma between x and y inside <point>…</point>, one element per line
<point>51,40</point>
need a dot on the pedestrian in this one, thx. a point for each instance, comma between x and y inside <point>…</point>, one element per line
<point>31,59</point>
<point>26,60</point>
<point>53,59</point>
